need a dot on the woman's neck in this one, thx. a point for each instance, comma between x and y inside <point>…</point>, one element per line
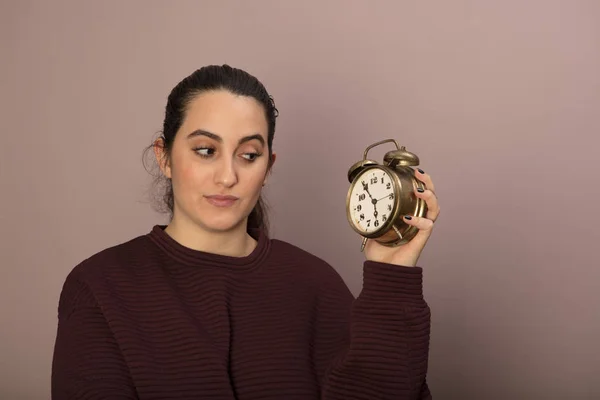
<point>235,242</point>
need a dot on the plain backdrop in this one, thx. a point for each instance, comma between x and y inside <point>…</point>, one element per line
<point>499,99</point>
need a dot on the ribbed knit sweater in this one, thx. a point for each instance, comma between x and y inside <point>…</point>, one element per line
<point>152,319</point>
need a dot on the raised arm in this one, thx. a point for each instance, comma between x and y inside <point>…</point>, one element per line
<point>87,363</point>
<point>377,346</point>
<point>385,351</point>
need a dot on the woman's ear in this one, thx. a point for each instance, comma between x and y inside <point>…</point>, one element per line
<point>271,162</point>
<point>161,157</point>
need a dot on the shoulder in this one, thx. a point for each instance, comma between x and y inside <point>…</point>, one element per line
<point>96,272</point>
<point>285,251</point>
<point>111,259</point>
<point>309,264</point>
<point>111,264</point>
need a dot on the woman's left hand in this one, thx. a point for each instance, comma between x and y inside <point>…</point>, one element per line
<point>409,253</point>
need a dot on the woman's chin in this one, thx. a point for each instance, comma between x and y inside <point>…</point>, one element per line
<point>222,225</point>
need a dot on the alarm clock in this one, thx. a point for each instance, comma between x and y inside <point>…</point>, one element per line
<point>380,195</point>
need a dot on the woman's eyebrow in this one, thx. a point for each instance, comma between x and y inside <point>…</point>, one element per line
<point>202,132</point>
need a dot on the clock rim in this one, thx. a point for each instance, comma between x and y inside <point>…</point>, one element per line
<point>385,227</point>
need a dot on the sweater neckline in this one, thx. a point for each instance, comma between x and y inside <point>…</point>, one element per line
<point>199,258</point>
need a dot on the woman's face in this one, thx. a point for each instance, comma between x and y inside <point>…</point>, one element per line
<point>219,161</point>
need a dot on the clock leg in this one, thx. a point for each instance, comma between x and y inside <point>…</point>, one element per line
<point>397,232</point>
<point>364,243</point>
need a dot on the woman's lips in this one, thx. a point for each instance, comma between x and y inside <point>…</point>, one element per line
<point>221,201</point>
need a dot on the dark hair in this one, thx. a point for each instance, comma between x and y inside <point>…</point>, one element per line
<point>209,78</point>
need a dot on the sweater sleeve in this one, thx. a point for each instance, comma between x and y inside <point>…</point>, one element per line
<point>375,346</point>
<point>87,363</point>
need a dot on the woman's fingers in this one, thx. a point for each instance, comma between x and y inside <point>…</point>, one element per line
<point>425,178</point>
<point>433,206</point>
<point>423,224</point>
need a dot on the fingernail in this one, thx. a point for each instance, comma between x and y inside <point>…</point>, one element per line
<point>420,170</point>
<point>408,217</point>
<point>420,190</point>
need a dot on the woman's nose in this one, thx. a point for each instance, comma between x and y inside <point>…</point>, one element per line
<point>226,174</point>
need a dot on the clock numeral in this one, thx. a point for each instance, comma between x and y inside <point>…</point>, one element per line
<point>382,178</point>
<point>368,223</point>
<point>362,217</point>
<point>391,196</point>
<point>384,217</point>
<point>373,180</point>
<point>389,207</point>
<point>376,223</point>
<point>361,197</point>
<point>388,186</point>
<point>358,207</point>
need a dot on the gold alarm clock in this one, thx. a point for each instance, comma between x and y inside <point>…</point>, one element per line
<point>380,195</point>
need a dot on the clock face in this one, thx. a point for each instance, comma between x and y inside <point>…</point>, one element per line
<point>371,200</point>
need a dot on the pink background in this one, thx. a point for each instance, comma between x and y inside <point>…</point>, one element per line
<point>500,100</point>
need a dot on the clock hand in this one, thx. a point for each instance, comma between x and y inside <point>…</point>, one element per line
<point>373,201</point>
<point>386,196</point>
<point>366,189</point>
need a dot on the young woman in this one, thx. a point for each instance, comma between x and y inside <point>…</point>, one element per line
<point>209,307</point>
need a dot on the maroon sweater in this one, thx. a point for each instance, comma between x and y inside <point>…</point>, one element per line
<point>152,319</point>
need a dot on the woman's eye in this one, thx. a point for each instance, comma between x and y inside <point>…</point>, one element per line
<point>204,151</point>
<point>250,156</point>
